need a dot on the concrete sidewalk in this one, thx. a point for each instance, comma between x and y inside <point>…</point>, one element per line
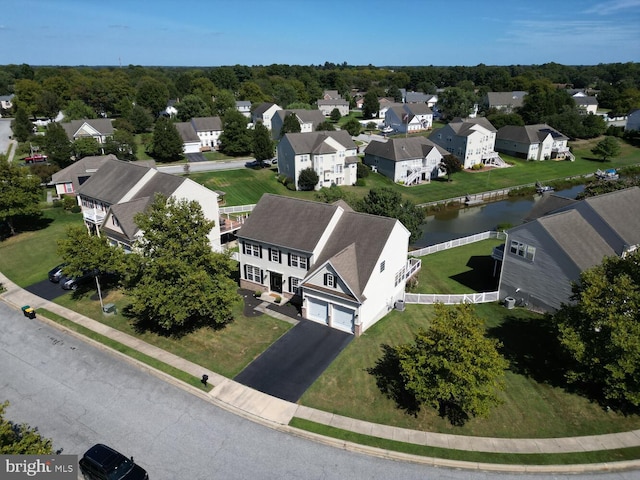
<point>278,413</point>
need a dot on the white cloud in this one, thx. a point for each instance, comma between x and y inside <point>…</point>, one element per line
<point>613,6</point>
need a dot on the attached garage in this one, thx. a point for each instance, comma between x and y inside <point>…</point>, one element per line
<point>317,310</point>
<point>342,318</point>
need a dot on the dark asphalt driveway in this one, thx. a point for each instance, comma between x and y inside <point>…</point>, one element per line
<point>195,157</point>
<point>46,289</point>
<point>287,368</point>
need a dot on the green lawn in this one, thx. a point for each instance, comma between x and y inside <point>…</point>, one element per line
<point>27,257</point>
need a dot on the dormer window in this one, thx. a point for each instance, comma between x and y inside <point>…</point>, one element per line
<point>330,280</point>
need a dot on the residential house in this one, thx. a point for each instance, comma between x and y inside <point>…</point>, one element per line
<point>326,106</point>
<point>633,121</point>
<point>542,257</point>
<point>418,97</point>
<point>308,120</point>
<point>533,142</point>
<point>472,140</point>
<point>385,103</point>
<point>200,134</point>
<point>331,154</point>
<point>244,107</point>
<point>170,111</point>
<point>586,104</point>
<point>6,102</point>
<point>119,190</point>
<point>68,180</point>
<point>346,269</point>
<point>264,113</point>
<point>409,160</point>
<point>506,102</point>
<point>331,95</point>
<point>98,128</point>
<point>409,118</point>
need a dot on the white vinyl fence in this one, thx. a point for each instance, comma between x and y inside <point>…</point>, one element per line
<point>430,298</point>
<point>237,209</point>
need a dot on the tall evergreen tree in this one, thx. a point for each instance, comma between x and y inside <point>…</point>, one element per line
<point>57,145</point>
<point>19,194</point>
<point>290,125</point>
<point>166,143</point>
<point>371,105</point>
<point>263,145</point>
<point>236,139</point>
<point>22,126</point>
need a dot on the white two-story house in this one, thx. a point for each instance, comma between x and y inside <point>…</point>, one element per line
<point>264,113</point>
<point>409,118</point>
<point>333,155</point>
<point>308,120</point>
<point>472,140</point>
<point>408,161</point>
<point>345,269</point>
<point>118,190</point>
<point>533,142</point>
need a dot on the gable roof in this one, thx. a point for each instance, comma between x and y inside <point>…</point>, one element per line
<point>205,124</point>
<point>585,101</point>
<point>288,222</point>
<point>314,117</point>
<point>529,134</point>
<point>315,142</point>
<point>263,107</point>
<point>547,204</point>
<point>187,132</point>
<point>125,213</point>
<point>417,97</point>
<point>399,149</point>
<point>80,169</point>
<point>102,125</point>
<point>333,101</point>
<point>113,180</point>
<point>512,99</point>
<point>465,126</point>
<point>618,210</point>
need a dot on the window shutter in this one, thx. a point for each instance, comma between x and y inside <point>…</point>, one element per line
<point>325,279</point>
<point>260,251</point>
<point>245,271</point>
<point>289,259</point>
<point>279,256</point>
<point>244,247</point>
<point>270,254</point>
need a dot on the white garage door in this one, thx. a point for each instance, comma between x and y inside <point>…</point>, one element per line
<point>318,310</point>
<point>343,318</point>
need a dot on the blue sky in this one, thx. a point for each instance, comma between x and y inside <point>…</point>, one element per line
<point>310,32</point>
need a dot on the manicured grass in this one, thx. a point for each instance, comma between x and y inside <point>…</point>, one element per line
<point>459,270</point>
<point>152,362</point>
<point>27,257</point>
<point>533,404</point>
<point>226,351</point>
<point>601,456</point>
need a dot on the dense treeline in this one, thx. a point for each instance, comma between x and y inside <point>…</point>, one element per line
<point>92,91</point>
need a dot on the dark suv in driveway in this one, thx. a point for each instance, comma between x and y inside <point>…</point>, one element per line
<point>72,283</point>
<point>104,463</point>
<point>55,274</point>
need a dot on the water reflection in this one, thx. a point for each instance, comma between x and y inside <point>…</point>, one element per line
<point>451,224</point>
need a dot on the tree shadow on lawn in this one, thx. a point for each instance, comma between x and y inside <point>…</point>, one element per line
<point>480,278</point>
<point>25,223</point>
<point>532,348</point>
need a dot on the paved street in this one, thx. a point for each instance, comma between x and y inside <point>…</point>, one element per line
<point>5,133</point>
<point>78,395</point>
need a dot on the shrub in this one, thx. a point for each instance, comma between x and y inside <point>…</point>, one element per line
<point>76,209</point>
<point>69,202</point>
<point>477,166</point>
<point>290,183</point>
<point>360,182</point>
<point>362,170</point>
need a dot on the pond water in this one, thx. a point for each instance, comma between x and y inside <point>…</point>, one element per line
<point>445,226</point>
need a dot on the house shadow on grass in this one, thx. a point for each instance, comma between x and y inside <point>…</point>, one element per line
<point>480,278</point>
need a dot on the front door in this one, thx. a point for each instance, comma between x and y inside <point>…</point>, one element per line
<point>275,282</point>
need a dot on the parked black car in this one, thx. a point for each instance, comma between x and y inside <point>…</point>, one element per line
<point>72,283</point>
<point>257,164</point>
<point>55,274</point>
<point>104,463</point>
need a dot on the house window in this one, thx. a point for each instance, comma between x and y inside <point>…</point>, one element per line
<point>400,274</point>
<point>253,274</point>
<point>382,265</point>
<point>274,255</point>
<point>329,280</point>
<point>339,168</point>
<point>297,261</point>
<point>294,285</point>
<point>251,249</point>
<point>115,221</point>
<point>522,250</point>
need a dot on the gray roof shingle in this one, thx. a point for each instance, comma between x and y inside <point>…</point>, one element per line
<point>400,149</point>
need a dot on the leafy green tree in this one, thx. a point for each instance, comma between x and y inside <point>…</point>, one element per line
<point>452,366</point>
<point>152,94</point>
<point>370,105</point>
<point>21,439</point>
<point>236,139</point>
<point>601,333</point>
<point>27,93</point>
<point>499,120</point>
<point>263,145</point>
<point>22,126</point>
<point>83,252</point>
<point>223,102</point>
<point>308,179</point>
<point>607,148</point>
<point>78,110</point>
<point>19,194</point>
<point>192,106</point>
<point>251,91</point>
<point>325,126</point>
<point>48,104</point>
<point>122,144</point>
<point>456,102</point>
<point>352,126</point>
<point>85,147</point>
<point>451,164</point>
<point>395,93</point>
<point>335,115</point>
<point>166,143</point>
<point>387,202</point>
<point>140,118</point>
<point>177,283</point>
<point>57,145</point>
<point>542,101</point>
<point>290,124</point>
<point>362,170</point>
<point>285,94</point>
<point>593,126</point>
